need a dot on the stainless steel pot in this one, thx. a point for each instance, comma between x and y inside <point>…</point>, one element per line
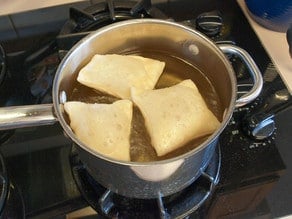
<point>151,179</point>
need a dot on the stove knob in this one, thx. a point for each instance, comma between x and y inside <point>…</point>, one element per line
<point>259,126</point>
<point>209,23</point>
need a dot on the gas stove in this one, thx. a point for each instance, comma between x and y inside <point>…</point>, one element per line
<point>47,179</point>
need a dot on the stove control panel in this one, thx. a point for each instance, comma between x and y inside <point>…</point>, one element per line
<point>259,126</point>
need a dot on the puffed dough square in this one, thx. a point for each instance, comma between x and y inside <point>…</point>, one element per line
<point>105,128</point>
<point>116,74</point>
<point>174,115</point>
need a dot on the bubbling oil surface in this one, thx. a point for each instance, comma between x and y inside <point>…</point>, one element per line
<point>175,71</point>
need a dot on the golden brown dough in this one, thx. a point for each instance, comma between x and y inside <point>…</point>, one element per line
<point>105,128</point>
<point>174,115</point>
<point>116,74</point>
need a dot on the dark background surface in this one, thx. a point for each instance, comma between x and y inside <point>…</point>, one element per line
<point>279,199</point>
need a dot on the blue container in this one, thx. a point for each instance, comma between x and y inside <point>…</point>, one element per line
<point>272,14</point>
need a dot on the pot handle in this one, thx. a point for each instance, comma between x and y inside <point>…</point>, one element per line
<point>13,117</point>
<point>252,69</point>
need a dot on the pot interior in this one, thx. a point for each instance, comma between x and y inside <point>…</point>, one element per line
<point>187,54</point>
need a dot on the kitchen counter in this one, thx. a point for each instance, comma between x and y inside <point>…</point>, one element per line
<point>276,46</point>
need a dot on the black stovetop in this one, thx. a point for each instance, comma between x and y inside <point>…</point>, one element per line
<point>38,158</point>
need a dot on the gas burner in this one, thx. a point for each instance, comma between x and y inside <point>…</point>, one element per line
<point>14,204</point>
<point>11,202</point>
<point>4,184</point>
<point>180,204</point>
<point>82,22</point>
<point>105,13</point>
<point>5,135</point>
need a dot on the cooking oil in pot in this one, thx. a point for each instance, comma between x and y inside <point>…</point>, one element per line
<point>174,72</point>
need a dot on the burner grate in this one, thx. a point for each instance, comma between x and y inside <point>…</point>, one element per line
<point>82,22</point>
<point>180,204</point>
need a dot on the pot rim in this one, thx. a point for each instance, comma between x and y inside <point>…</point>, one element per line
<point>227,112</point>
